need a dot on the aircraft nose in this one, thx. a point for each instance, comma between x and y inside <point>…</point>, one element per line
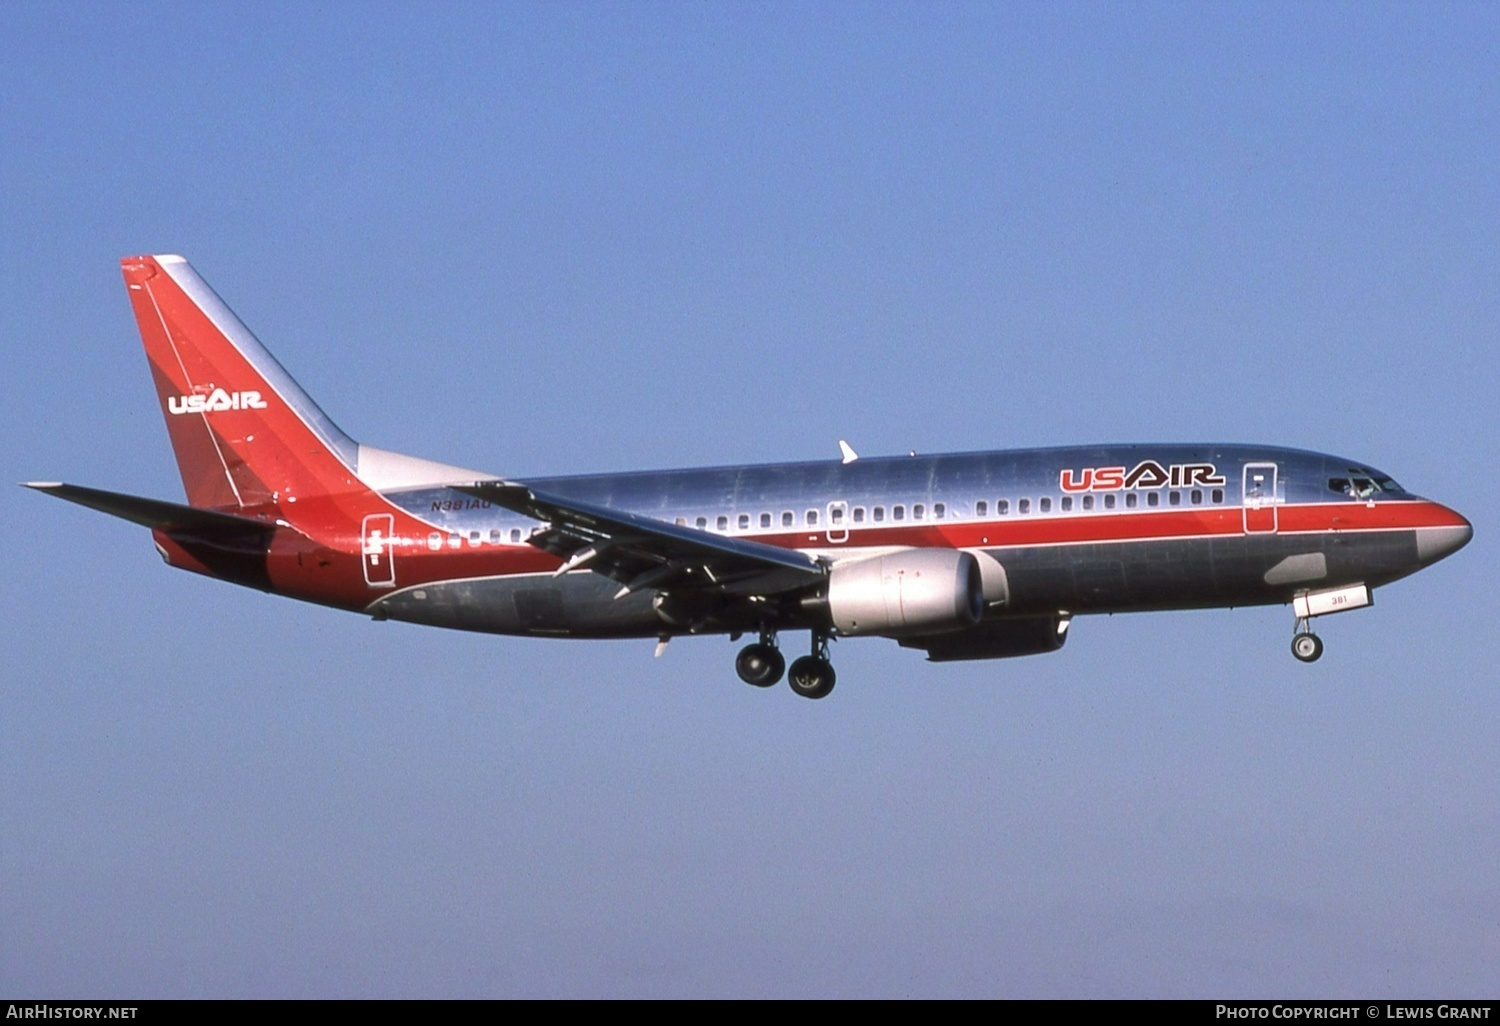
<point>1433,543</point>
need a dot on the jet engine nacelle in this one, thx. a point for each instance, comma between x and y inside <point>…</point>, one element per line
<point>918,591</point>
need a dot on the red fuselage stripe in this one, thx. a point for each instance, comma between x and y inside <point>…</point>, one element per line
<point>1130,526</point>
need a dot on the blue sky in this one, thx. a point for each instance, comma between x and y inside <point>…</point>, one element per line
<point>565,238</point>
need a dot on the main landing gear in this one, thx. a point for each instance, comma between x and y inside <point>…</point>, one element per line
<point>1306,645</point>
<point>762,664</point>
<point>812,676</point>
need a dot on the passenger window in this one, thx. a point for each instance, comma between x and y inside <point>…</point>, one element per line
<point>1046,505</point>
<point>879,513</point>
<point>1218,495</point>
<point>836,515</point>
<point>1109,501</point>
<point>435,541</point>
<point>1024,506</point>
<point>981,508</point>
<point>702,523</point>
<point>1002,508</point>
<point>1174,498</point>
<point>812,517</point>
<point>1067,503</point>
<point>765,520</point>
<point>722,523</point>
<point>939,510</point>
<point>515,534</point>
<point>1088,502</point>
<point>1131,499</point>
<point>455,539</point>
<point>898,512</point>
<point>494,537</point>
<point>1153,498</point>
<point>787,519</point>
<point>1197,497</point>
<point>474,538</point>
<point>744,521</point>
<point>681,521</point>
<point>918,511</point>
<point>859,514</point>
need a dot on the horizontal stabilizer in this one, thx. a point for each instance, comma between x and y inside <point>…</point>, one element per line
<point>166,516</point>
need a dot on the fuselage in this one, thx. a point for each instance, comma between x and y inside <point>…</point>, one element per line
<point>1090,529</point>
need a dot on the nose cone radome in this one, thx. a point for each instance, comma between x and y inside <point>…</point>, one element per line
<point>1433,543</point>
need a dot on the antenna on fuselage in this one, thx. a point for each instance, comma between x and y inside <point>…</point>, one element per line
<point>848,450</point>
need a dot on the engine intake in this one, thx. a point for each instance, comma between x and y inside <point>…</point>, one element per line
<point>918,591</point>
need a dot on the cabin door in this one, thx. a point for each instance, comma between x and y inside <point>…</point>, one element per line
<point>838,523</point>
<point>1259,498</point>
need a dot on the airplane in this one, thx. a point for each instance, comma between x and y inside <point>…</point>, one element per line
<point>979,555</point>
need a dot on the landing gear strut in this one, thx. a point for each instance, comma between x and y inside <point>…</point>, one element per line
<point>762,663</point>
<point>812,675</point>
<point>1306,645</point>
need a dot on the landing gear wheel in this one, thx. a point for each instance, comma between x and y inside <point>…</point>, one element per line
<point>760,665</point>
<point>811,677</point>
<point>1307,647</point>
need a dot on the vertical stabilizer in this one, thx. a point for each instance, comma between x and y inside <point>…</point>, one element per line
<point>245,434</point>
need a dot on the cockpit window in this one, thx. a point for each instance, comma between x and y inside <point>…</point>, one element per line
<point>1362,487</point>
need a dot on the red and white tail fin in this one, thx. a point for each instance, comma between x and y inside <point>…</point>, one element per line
<point>244,432</point>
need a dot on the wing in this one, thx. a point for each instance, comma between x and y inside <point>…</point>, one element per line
<point>644,552</point>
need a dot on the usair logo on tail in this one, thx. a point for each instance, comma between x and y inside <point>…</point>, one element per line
<point>1145,474</point>
<point>214,402</point>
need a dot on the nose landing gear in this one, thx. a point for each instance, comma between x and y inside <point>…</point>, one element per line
<point>1306,645</point>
